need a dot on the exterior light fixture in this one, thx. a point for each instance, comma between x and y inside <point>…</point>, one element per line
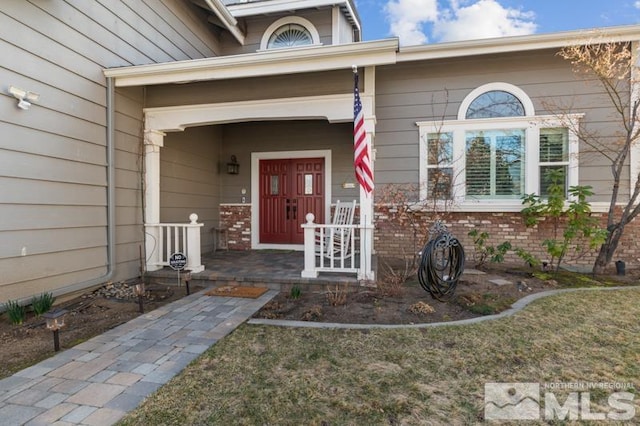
<point>233,168</point>
<point>24,97</point>
<point>55,321</point>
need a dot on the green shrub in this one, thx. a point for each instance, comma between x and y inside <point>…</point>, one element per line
<point>483,252</point>
<point>570,220</point>
<point>42,303</point>
<point>16,312</point>
<point>295,293</point>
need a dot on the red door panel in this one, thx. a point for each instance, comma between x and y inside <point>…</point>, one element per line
<point>289,189</point>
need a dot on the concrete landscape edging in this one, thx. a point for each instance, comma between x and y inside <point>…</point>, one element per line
<point>516,307</point>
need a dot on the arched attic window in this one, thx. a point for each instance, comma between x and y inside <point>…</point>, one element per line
<point>289,35</point>
<point>291,31</point>
<point>495,100</point>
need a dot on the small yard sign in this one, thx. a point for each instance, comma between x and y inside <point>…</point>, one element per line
<point>178,261</point>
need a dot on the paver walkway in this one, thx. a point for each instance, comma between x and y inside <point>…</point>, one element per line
<point>97,382</point>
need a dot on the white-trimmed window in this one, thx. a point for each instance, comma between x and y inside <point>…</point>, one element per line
<point>496,151</point>
<point>290,31</point>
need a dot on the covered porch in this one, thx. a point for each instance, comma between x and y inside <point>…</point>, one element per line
<point>291,157</point>
<point>260,109</point>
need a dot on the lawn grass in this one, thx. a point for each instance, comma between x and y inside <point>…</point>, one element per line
<point>287,376</point>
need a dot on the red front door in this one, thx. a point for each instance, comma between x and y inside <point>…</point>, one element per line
<point>289,189</point>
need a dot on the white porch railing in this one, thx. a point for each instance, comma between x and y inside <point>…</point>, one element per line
<point>164,239</point>
<point>332,248</point>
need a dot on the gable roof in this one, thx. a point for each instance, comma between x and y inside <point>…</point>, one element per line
<point>370,53</point>
<point>245,8</point>
<point>273,62</point>
<point>222,17</point>
<point>489,46</point>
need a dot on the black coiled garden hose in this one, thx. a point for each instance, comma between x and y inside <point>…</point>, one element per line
<point>441,264</point>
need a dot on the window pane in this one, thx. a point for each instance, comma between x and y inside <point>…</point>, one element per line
<point>275,185</point>
<point>439,184</point>
<point>546,175</point>
<point>509,179</point>
<point>495,103</point>
<point>290,35</point>
<point>553,145</point>
<point>478,176</point>
<point>495,164</point>
<point>308,184</point>
<point>440,149</point>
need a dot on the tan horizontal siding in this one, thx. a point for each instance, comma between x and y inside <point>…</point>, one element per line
<point>256,27</point>
<point>271,87</point>
<point>29,166</point>
<point>49,283</point>
<point>67,239</point>
<point>45,144</point>
<point>38,216</point>
<point>189,178</point>
<point>433,91</point>
<point>53,157</point>
<point>43,265</point>
<point>21,191</point>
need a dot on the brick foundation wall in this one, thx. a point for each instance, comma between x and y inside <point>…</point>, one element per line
<point>394,235</point>
<point>237,219</point>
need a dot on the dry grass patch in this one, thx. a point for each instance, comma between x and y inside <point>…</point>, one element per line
<point>288,376</point>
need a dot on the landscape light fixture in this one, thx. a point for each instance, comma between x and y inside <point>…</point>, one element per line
<point>24,97</point>
<point>140,291</point>
<point>55,321</point>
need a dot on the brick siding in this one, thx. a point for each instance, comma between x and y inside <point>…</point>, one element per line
<point>394,236</point>
<point>237,219</point>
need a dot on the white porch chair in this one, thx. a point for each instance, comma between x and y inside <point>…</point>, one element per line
<point>335,241</point>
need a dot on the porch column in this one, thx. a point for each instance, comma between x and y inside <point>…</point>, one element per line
<point>366,213</point>
<point>153,141</point>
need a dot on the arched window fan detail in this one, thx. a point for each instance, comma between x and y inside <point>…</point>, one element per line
<point>290,35</point>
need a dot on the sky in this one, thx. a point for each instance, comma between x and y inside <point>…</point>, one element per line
<point>432,21</point>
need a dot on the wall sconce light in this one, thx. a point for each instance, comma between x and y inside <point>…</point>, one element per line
<point>24,97</point>
<point>233,168</point>
<point>55,321</point>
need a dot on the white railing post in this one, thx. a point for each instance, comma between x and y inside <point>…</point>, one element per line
<point>309,248</point>
<point>365,272</point>
<point>194,261</point>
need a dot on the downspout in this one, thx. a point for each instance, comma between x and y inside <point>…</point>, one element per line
<point>111,211</point>
<point>111,208</point>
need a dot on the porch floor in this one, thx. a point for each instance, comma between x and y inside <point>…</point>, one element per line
<point>272,268</point>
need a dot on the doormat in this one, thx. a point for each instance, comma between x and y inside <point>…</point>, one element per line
<point>237,291</point>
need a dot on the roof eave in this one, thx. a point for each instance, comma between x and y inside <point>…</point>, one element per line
<point>276,62</point>
<point>225,16</point>
<point>518,43</point>
<point>243,10</point>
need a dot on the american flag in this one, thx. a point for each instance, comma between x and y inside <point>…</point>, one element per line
<point>360,145</point>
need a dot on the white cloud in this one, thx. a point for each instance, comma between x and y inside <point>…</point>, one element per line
<point>483,19</point>
<point>469,20</point>
<point>406,18</point>
<point>637,5</point>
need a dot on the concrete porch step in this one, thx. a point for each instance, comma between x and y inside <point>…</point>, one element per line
<point>167,276</point>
